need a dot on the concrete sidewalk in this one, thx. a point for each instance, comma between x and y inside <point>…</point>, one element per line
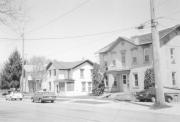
<point>170,108</point>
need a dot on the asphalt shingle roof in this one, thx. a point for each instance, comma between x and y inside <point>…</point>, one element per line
<point>68,65</point>
<point>138,40</point>
<point>147,38</point>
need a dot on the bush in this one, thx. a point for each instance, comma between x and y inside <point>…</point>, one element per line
<point>99,90</point>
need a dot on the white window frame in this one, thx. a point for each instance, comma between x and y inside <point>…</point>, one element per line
<point>172,55</point>
<point>136,80</point>
<point>123,79</point>
<point>81,73</point>
<point>113,62</point>
<point>146,50</point>
<point>83,88</point>
<point>123,57</point>
<point>174,78</point>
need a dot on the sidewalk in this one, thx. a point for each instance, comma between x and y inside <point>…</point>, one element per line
<point>169,108</point>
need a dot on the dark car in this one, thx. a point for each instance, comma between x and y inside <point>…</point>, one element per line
<point>150,95</point>
<point>43,96</point>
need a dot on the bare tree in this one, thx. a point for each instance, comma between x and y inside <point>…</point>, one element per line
<point>38,72</point>
<point>12,14</point>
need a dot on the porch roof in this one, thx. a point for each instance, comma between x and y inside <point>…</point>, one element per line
<point>64,80</point>
<point>118,70</point>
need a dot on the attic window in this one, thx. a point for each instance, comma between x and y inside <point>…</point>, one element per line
<point>122,43</point>
<point>172,50</point>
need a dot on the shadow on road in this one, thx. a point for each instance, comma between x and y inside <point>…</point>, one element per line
<point>151,106</point>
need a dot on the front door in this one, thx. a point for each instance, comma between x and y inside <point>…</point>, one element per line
<point>61,86</point>
<point>124,80</point>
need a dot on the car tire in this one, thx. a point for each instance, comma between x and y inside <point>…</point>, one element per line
<point>52,101</point>
<point>153,99</point>
<point>20,99</point>
<point>40,100</point>
<point>32,100</point>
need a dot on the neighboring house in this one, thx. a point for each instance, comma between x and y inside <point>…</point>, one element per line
<point>34,76</point>
<point>128,59</point>
<point>70,78</point>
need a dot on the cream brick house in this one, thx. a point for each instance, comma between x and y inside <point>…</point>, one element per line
<point>128,59</point>
<point>69,78</point>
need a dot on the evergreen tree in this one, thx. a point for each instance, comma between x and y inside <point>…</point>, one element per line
<point>11,73</point>
<point>149,80</point>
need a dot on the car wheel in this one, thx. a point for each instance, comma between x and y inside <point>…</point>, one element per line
<point>52,101</point>
<point>153,99</point>
<point>32,100</point>
<point>169,100</point>
<point>20,99</point>
<point>41,101</point>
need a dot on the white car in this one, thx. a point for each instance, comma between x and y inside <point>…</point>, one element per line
<point>14,96</point>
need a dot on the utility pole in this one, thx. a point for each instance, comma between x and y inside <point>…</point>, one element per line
<point>22,76</point>
<point>156,57</point>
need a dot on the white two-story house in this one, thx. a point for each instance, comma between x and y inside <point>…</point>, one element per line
<point>69,78</point>
<point>128,59</point>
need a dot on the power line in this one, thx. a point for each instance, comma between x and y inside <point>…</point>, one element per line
<point>60,16</point>
<point>76,36</point>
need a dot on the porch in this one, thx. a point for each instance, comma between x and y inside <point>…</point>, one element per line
<point>34,85</point>
<point>118,81</point>
<point>64,87</point>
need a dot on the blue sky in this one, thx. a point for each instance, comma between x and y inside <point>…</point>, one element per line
<point>94,16</point>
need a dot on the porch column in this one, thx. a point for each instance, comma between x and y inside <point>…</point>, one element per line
<point>121,83</point>
<point>65,87</point>
<point>110,82</point>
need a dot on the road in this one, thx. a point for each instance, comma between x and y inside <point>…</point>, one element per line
<point>76,111</point>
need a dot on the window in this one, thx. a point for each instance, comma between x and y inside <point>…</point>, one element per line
<point>89,86</point>
<point>114,62</point>
<point>134,56</point>
<point>124,78</point>
<point>115,81</point>
<point>172,55</point>
<point>50,73</point>
<point>146,55</point>
<point>83,86</point>
<point>134,60</point>
<point>61,86</point>
<point>106,65</point>
<point>136,79</point>
<point>54,72</point>
<point>49,86</point>
<point>123,57</point>
<point>70,86</point>
<point>174,78</point>
<point>81,73</point>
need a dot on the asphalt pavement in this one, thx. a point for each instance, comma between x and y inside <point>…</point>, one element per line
<point>84,110</point>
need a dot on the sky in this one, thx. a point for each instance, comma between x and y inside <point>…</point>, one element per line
<point>82,27</point>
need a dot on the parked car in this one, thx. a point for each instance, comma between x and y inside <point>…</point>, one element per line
<point>5,93</point>
<point>150,95</point>
<point>43,96</point>
<point>13,95</point>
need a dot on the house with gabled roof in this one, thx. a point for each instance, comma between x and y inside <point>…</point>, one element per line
<point>69,78</point>
<point>127,59</point>
<point>34,75</point>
